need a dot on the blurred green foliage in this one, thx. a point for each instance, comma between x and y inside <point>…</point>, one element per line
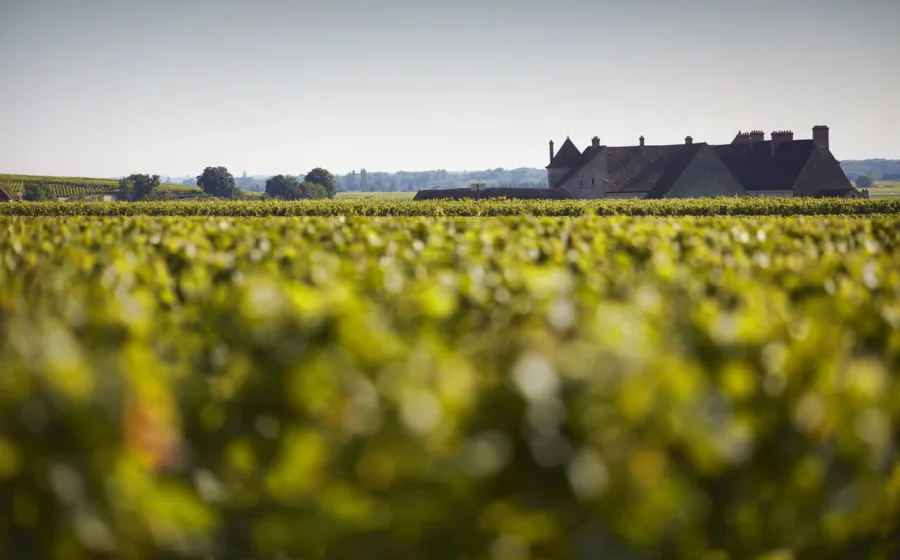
<point>449,388</point>
<point>744,206</point>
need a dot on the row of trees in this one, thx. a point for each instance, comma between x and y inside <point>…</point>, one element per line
<point>218,182</point>
<point>318,183</point>
<point>289,187</point>
<point>409,181</point>
<point>877,169</point>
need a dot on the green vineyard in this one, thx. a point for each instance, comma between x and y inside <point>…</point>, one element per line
<point>469,208</point>
<point>528,387</point>
<point>78,187</point>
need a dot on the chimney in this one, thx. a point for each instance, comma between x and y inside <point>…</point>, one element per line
<point>642,141</point>
<point>779,137</point>
<point>741,138</point>
<point>820,137</point>
<point>688,140</point>
<point>551,150</point>
<point>595,141</point>
<point>757,136</point>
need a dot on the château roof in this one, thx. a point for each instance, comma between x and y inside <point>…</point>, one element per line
<point>4,196</point>
<point>638,169</point>
<point>757,169</point>
<point>674,168</point>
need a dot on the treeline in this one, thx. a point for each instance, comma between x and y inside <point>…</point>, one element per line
<point>412,181</point>
<point>217,182</point>
<point>876,169</point>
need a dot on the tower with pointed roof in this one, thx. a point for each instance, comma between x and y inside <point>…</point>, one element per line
<point>562,162</point>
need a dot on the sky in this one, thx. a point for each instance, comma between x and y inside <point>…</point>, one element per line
<point>103,88</point>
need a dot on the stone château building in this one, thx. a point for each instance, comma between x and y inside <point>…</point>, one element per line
<point>749,165</point>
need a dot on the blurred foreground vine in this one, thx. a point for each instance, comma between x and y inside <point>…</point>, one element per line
<point>502,388</point>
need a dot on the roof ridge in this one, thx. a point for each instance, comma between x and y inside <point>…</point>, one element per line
<point>675,169</point>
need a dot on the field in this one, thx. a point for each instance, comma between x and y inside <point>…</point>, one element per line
<point>885,189</point>
<point>554,383</point>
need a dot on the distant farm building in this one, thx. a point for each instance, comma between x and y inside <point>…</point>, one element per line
<point>749,166</point>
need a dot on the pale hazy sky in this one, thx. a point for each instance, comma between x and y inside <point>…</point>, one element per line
<point>111,87</point>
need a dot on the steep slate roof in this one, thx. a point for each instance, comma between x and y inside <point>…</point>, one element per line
<point>638,169</point>
<point>499,192</point>
<point>673,170</point>
<point>4,196</point>
<point>567,155</point>
<point>754,166</point>
<point>579,161</point>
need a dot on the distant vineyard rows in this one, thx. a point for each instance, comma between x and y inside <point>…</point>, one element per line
<point>67,187</point>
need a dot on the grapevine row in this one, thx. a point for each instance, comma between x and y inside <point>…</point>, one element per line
<point>472,208</point>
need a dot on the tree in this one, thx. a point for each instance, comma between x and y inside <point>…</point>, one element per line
<point>217,181</point>
<point>314,190</point>
<point>288,187</point>
<point>138,187</point>
<point>282,186</point>
<point>322,177</point>
<point>36,192</point>
<point>864,182</point>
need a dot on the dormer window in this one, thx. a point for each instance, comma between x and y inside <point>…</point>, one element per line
<point>592,182</point>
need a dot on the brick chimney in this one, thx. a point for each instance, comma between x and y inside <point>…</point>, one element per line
<point>595,141</point>
<point>551,150</point>
<point>642,141</point>
<point>688,140</point>
<point>779,137</point>
<point>820,137</point>
<point>757,136</point>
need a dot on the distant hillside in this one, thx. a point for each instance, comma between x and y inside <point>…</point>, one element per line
<point>887,169</point>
